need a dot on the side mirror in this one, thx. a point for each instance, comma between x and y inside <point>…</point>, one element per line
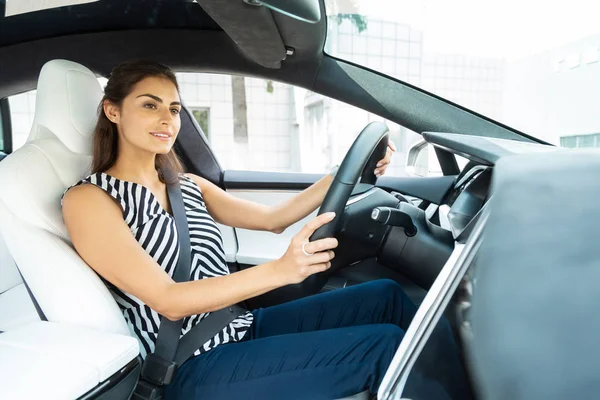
<point>422,160</point>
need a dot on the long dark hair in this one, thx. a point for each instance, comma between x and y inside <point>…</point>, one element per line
<point>106,139</point>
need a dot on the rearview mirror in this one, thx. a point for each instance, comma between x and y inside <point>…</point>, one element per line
<point>303,10</point>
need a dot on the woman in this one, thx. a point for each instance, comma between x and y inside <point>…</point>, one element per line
<point>119,219</point>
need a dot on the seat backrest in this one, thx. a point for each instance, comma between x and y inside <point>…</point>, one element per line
<point>56,155</point>
<point>9,275</point>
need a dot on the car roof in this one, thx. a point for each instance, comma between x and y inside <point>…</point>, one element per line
<point>180,33</point>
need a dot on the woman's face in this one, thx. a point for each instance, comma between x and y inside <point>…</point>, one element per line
<point>149,118</point>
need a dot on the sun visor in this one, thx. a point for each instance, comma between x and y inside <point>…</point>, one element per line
<point>536,304</point>
<point>251,27</point>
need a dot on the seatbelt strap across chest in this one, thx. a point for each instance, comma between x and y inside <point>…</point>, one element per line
<point>160,366</point>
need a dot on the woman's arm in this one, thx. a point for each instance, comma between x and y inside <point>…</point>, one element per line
<point>299,206</point>
<point>101,237</point>
<point>239,213</point>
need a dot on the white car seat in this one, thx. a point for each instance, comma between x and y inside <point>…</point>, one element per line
<point>16,307</point>
<point>77,304</point>
<point>56,155</point>
<point>34,177</point>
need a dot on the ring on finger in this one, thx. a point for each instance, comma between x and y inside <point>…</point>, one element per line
<point>304,249</point>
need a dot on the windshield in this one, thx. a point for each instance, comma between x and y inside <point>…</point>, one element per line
<point>534,65</point>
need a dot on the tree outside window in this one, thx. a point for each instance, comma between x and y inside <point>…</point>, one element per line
<point>202,116</point>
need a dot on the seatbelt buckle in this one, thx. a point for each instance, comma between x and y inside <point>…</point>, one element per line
<point>147,391</point>
<point>158,370</point>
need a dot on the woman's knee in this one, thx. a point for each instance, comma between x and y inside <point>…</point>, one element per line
<point>385,336</point>
<point>392,293</point>
<point>389,285</point>
<point>390,289</point>
<point>384,286</point>
<point>388,335</point>
<point>392,331</point>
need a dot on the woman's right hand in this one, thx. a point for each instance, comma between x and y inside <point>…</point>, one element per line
<point>294,265</point>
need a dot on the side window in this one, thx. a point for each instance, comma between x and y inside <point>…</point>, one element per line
<point>261,125</point>
<point>426,163</point>
<point>2,144</point>
<point>22,109</point>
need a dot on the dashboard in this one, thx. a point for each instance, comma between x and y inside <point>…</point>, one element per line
<point>484,150</point>
<point>468,197</point>
<point>471,192</point>
<point>462,214</point>
<point>465,201</point>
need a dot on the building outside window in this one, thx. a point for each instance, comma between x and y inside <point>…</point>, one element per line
<point>574,141</point>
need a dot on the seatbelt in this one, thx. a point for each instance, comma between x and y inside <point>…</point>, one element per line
<point>159,367</point>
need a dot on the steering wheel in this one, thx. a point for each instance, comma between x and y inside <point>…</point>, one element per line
<point>360,162</point>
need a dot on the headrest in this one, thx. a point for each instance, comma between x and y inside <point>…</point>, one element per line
<point>66,105</point>
<point>58,151</point>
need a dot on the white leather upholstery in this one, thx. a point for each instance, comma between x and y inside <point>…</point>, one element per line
<point>16,307</point>
<point>66,105</point>
<point>42,376</point>
<point>46,360</point>
<point>9,276</point>
<point>33,178</point>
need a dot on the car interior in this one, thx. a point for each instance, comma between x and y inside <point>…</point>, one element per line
<point>63,335</point>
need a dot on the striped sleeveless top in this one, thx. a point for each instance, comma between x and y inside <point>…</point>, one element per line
<point>154,229</point>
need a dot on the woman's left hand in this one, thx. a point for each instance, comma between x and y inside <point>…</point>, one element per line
<point>384,162</point>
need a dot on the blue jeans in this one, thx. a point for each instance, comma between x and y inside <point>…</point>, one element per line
<point>326,346</point>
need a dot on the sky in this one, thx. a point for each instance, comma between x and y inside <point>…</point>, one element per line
<point>508,29</point>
